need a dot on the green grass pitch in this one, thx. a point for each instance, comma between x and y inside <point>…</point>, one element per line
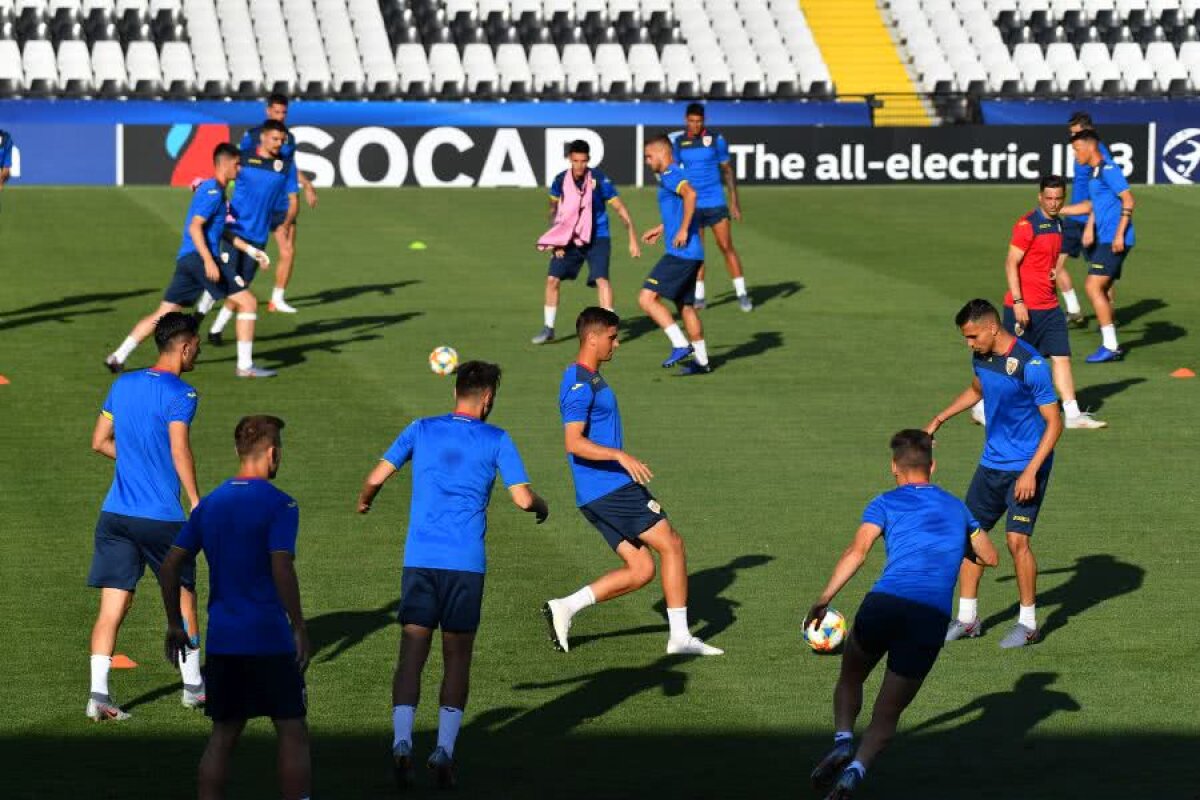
<point>764,466</point>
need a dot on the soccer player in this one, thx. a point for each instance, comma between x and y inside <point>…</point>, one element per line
<point>258,645</point>
<point>6,151</point>
<point>1023,425</point>
<point>285,213</point>
<point>705,157</point>
<point>1109,235</point>
<point>1031,309</point>
<point>610,490</point>
<point>674,276</point>
<point>567,261</point>
<point>455,458</point>
<point>200,265</point>
<point>927,532</point>
<point>261,183</point>
<point>1074,226</point>
<point>144,426</point>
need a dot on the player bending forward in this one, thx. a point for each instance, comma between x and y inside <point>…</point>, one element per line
<point>611,494</point>
<point>455,458</point>
<point>927,531</point>
<point>258,645</point>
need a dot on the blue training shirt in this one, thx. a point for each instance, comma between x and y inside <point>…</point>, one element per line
<point>702,157</point>
<point>1079,182</point>
<point>927,532</point>
<point>1014,386</point>
<point>603,190</point>
<point>1106,184</point>
<point>670,206</point>
<point>6,149</point>
<point>455,458</point>
<point>584,396</point>
<point>238,526</point>
<point>260,188</point>
<point>142,406</point>
<point>208,203</point>
<point>249,144</point>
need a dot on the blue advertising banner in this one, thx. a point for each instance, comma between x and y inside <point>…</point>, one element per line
<point>63,154</point>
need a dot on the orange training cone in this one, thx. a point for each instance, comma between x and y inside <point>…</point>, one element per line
<point>122,661</point>
<point>3,381</point>
<point>1183,372</point>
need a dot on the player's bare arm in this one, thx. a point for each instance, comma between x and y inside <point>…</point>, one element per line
<point>983,549</point>
<point>310,191</point>
<point>528,500</point>
<point>374,482</point>
<point>853,557</point>
<point>104,441</point>
<point>185,466</point>
<point>970,396</point>
<point>582,447</point>
<point>293,210</point>
<point>689,210</point>
<point>1012,271</point>
<point>1118,242</point>
<point>196,231</point>
<point>283,571</point>
<point>654,234</point>
<point>1026,485</point>
<point>260,256</point>
<point>635,250</point>
<point>4,173</point>
<point>168,581</point>
<point>730,178</point>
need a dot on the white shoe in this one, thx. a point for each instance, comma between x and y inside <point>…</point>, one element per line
<point>977,415</point>
<point>194,699</point>
<point>101,708</point>
<point>558,618</point>
<point>281,307</point>
<point>692,647</point>
<point>1086,421</point>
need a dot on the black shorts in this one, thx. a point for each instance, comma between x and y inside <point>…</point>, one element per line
<point>244,687</point>
<point>1104,262</point>
<point>190,281</point>
<point>597,255</point>
<point>1046,332</point>
<point>125,545</point>
<point>624,514</point>
<point>277,218</point>
<point>707,217</point>
<point>911,633</point>
<point>990,497</point>
<point>449,599</point>
<point>674,278</point>
<point>242,267</point>
<point>1072,237</point>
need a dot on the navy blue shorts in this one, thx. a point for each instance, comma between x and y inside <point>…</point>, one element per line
<point>597,255</point>
<point>911,633</point>
<point>990,497</point>
<point>707,217</point>
<point>125,545</point>
<point>449,599</point>
<point>242,267</point>
<point>624,514</point>
<point>1046,332</point>
<point>674,278</point>
<point>190,281</point>
<point>1072,237</point>
<point>244,687</point>
<point>1103,261</point>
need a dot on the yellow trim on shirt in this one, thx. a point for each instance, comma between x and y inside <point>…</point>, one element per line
<point>681,183</point>
<point>107,414</point>
<point>977,532</point>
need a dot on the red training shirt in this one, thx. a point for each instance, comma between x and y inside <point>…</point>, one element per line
<point>1041,239</point>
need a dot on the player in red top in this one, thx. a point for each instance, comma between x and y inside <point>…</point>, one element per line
<point>1031,309</point>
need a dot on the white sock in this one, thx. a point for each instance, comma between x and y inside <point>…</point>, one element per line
<point>739,286</point>
<point>277,295</point>
<point>675,335</point>
<point>189,667</point>
<point>1072,301</point>
<point>402,724</point>
<point>548,315</point>
<point>449,720</point>
<point>699,290</point>
<point>968,609</point>
<point>126,349</point>
<point>245,352</point>
<point>1109,334</point>
<point>1027,616</point>
<point>100,667</point>
<point>677,620</point>
<point>580,600</point>
<point>858,765</point>
<point>701,351</point>
<point>978,407</point>
<point>1071,408</point>
<point>843,736</point>
<point>206,303</point>
<point>223,317</point>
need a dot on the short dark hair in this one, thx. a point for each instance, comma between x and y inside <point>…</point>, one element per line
<point>1081,118</point>
<point>225,150</point>
<point>172,326</point>
<point>475,378</point>
<point>659,138</point>
<point>595,317</point>
<point>273,125</point>
<point>1051,182</point>
<point>912,449</point>
<point>694,110</point>
<point>255,433</point>
<point>277,99</point>
<point>1085,135</point>
<point>976,311</point>
<point>579,146</point>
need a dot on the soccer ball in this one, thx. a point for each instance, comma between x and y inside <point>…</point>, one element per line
<point>826,636</point>
<point>443,360</point>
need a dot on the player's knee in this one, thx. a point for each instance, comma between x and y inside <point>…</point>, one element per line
<point>642,570</point>
<point>1018,544</point>
<point>646,300</point>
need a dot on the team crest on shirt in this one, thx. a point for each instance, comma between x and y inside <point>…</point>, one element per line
<point>1010,365</point>
<point>707,141</point>
<point>277,165</point>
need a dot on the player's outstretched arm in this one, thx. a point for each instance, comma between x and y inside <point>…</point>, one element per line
<point>168,581</point>
<point>185,465</point>
<point>984,550</point>
<point>635,249</point>
<point>1076,209</point>
<point>582,447</point>
<point>653,234</point>
<point>374,482</point>
<point>528,500</point>
<point>850,562</point>
<point>970,396</point>
<point>287,584</point>
<point>103,440</point>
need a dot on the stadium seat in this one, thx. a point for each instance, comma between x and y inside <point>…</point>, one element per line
<point>108,69</point>
<point>74,68</point>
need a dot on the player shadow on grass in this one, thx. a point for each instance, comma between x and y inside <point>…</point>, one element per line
<point>60,317</point>
<point>1125,315</point>
<point>763,294</point>
<point>151,696</point>
<point>1094,579</point>
<point>349,293</point>
<point>294,355</point>
<point>1092,397</point>
<point>1004,719</point>
<point>339,631</point>
<point>1155,333</point>
<point>760,343</point>
<point>707,607</point>
<point>77,300</point>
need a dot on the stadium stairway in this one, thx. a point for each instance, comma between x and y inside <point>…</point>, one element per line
<point>863,58</point>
